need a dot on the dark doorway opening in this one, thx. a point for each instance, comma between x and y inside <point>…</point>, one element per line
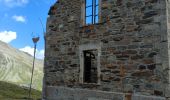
<point>90,66</point>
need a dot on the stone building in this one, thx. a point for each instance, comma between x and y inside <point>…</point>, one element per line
<point>107,50</point>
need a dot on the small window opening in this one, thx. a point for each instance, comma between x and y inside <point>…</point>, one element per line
<point>90,66</point>
<point>91,11</point>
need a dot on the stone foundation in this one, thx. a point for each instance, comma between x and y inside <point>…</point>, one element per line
<point>64,93</point>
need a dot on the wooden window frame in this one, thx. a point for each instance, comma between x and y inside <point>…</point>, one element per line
<point>83,13</point>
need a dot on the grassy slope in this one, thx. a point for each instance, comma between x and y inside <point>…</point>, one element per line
<point>13,92</point>
<point>16,67</point>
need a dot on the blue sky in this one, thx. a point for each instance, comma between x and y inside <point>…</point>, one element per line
<point>19,19</point>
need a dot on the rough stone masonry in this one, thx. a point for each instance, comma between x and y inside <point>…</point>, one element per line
<point>124,56</point>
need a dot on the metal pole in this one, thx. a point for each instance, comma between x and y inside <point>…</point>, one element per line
<point>32,71</point>
<point>35,40</point>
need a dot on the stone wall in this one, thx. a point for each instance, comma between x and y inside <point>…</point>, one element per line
<point>134,46</point>
<point>167,93</point>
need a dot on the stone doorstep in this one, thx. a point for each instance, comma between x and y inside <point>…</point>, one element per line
<point>144,97</point>
<point>57,93</point>
<point>54,92</point>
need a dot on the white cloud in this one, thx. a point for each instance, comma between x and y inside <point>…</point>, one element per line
<point>14,3</point>
<point>19,18</point>
<point>30,50</point>
<point>40,54</point>
<point>8,36</point>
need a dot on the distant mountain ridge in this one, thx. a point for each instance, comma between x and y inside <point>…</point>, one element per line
<point>16,65</point>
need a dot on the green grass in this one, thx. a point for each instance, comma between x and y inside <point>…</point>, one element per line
<point>10,91</point>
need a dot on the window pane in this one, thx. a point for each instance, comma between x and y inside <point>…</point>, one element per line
<point>96,19</point>
<point>88,11</point>
<point>97,2</point>
<point>88,2</point>
<point>97,10</point>
<point>89,20</point>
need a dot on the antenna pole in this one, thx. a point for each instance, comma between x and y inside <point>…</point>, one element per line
<point>35,40</point>
<point>44,33</point>
<point>42,26</point>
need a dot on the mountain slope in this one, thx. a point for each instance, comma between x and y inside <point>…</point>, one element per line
<point>13,92</point>
<point>16,66</point>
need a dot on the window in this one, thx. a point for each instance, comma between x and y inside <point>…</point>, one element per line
<point>91,11</point>
<point>90,66</point>
<point>90,63</point>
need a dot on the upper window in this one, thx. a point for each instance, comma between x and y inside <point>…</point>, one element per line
<point>91,11</point>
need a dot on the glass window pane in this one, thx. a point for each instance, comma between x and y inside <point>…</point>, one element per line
<point>88,20</point>
<point>88,2</point>
<point>88,11</point>
<point>96,19</point>
<point>97,10</point>
<point>97,2</point>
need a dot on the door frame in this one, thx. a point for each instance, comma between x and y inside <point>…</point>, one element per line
<point>90,46</point>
